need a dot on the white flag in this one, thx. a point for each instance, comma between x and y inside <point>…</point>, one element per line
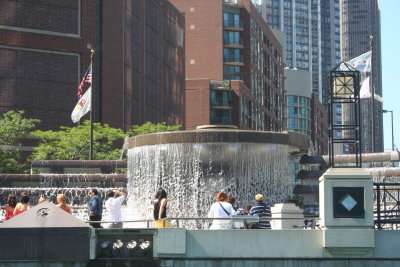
<point>82,107</point>
<point>364,91</point>
<point>362,62</point>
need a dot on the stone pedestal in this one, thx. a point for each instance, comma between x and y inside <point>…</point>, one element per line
<point>290,211</point>
<point>346,211</point>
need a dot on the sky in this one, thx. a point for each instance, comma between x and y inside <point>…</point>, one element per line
<point>390,43</point>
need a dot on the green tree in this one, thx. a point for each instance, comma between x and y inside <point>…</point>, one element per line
<point>149,127</point>
<point>73,143</point>
<point>13,127</point>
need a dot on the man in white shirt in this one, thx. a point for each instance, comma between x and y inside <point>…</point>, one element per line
<point>113,207</point>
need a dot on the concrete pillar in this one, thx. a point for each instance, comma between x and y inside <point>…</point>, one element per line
<point>287,210</point>
<point>346,210</point>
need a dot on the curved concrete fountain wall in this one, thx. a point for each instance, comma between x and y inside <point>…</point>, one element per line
<point>192,166</point>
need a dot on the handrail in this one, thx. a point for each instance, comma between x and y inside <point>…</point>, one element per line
<point>250,219</point>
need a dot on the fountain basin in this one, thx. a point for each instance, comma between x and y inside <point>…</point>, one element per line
<point>192,166</point>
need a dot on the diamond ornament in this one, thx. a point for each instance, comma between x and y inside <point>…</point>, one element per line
<point>348,202</point>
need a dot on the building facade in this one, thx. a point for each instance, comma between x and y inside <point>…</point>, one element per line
<point>319,127</point>
<point>298,97</point>
<point>142,63</point>
<point>138,67</point>
<point>43,55</point>
<point>234,70</point>
<point>312,29</point>
<point>360,19</point>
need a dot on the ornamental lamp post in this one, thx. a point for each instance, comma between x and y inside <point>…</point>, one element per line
<point>345,91</point>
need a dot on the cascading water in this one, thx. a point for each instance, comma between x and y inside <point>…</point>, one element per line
<point>192,174</point>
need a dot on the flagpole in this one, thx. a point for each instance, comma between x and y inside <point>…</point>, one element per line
<point>371,38</point>
<point>91,108</point>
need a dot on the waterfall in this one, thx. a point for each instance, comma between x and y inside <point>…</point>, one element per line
<point>193,173</point>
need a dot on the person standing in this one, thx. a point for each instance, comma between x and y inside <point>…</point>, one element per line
<point>113,206</point>
<point>95,208</point>
<point>160,209</point>
<point>262,210</point>
<point>221,209</point>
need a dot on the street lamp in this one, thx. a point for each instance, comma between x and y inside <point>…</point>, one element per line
<point>391,114</point>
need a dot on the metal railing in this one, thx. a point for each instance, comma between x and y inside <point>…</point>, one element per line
<point>387,205</point>
<point>309,222</point>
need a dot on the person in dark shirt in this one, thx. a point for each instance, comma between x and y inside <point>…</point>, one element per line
<point>160,209</point>
<point>95,208</point>
<point>262,210</point>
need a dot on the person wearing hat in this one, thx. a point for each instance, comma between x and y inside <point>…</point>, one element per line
<point>262,210</point>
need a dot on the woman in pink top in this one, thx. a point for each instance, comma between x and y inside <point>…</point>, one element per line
<point>62,203</point>
<point>22,206</point>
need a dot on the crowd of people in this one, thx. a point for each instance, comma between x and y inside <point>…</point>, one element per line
<point>220,212</point>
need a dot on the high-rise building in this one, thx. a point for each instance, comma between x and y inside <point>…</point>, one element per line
<point>234,69</point>
<point>312,29</point>
<point>360,19</point>
<point>138,66</point>
<point>299,20</point>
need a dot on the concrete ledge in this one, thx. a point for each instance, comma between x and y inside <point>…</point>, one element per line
<point>240,243</point>
<point>171,241</point>
<point>349,238</point>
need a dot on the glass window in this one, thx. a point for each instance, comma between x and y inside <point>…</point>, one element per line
<point>220,116</point>
<point>232,38</point>
<point>220,98</point>
<point>232,55</point>
<point>232,73</point>
<point>292,100</point>
<point>232,20</point>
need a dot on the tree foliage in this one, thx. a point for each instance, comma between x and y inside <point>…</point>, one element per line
<point>73,143</point>
<point>149,127</point>
<point>13,127</point>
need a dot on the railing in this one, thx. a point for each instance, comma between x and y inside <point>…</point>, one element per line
<point>309,222</point>
<point>387,205</point>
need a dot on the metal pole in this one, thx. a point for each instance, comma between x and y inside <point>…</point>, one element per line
<point>91,109</point>
<point>371,38</point>
<point>391,113</point>
<point>391,116</point>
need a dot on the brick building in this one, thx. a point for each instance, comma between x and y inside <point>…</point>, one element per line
<point>319,126</point>
<point>142,63</point>
<point>43,54</point>
<point>138,67</point>
<point>234,70</point>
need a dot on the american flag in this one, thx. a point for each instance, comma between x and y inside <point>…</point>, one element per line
<point>87,78</point>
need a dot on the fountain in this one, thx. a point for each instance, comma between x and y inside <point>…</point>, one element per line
<point>192,166</point>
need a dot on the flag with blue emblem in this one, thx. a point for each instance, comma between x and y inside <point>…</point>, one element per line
<point>362,62</point>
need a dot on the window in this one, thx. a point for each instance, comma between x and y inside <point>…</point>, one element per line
<point>232,55</point>
<point>220,116</point>
<point>232,73</point>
